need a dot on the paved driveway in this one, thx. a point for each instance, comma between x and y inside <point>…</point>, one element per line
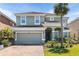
<point>30,50</point>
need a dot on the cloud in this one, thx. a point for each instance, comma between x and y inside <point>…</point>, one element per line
<point>8,13</point>
<point>75,13</point>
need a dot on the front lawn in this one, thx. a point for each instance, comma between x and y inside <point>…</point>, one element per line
<point>73,51</point>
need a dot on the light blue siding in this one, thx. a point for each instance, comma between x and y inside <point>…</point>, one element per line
<point>17,20</point>
<point>29,20</point>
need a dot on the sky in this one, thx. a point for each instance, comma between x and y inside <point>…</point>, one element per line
<point>10,9</point>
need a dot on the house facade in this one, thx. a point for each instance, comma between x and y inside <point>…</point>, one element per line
<point>5,21</point>
<point>74,28</point>
<point>30,27</point>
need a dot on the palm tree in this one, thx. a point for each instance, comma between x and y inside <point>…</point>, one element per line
<point>61,9</point>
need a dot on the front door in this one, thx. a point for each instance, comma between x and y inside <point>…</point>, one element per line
<point>48,34</point>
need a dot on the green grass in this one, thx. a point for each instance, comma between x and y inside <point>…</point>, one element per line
<point>73,51</point>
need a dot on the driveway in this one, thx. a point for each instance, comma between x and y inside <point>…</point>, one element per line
<point>22,50</point>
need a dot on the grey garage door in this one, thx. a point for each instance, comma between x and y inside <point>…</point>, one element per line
<point>29,38</point>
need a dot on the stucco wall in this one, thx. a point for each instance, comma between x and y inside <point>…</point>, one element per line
<point>6,21</point>
<point>74,27</point>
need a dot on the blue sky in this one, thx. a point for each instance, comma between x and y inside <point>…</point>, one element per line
<point>10,9</point>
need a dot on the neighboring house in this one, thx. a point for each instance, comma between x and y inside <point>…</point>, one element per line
<point>5,21</point>
<point>74,28</point>
<point>30,27</point>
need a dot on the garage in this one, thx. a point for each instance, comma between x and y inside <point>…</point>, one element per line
<point>29,38</point>
<point>29,35</point>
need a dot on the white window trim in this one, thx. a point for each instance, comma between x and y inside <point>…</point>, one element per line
<point>21,20</point>
<point>35,21</point>
<point>51,19</point>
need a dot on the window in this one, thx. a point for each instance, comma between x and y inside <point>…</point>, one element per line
<point>23,20</point>
<point>37,20</point>
<point>65,34</point>
<point>56,34</point>
<point>57,19</point>
<point>51,18</point>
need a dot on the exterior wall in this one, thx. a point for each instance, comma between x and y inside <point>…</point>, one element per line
<point>3,26</point>
<point>44,19</point>
<point>51,24</point>
<point>29,20</point>
<point>74,27</point>
<point>55,21</point>
<point>17,20</point>
<point>54,17</point>
<point>6,21</point>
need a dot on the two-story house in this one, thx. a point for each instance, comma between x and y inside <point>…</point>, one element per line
<point>30,27</point>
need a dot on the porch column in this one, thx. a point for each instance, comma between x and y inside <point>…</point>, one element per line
<point>15,36</point>
<point>43,36</point>
<point>53,34</point>
<point>68,34</point>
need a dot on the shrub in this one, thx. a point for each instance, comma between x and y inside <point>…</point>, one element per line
<point>71,45</point>
<point>7,33</point>
<point>0,42</point>
<point>50,44</point>
<point>59,50</point>
<point>6,42</point>
<point>54,44</point>
<point>68,42</point>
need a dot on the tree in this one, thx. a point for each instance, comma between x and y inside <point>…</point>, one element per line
<point>7,33</point>
<point>61,9</point>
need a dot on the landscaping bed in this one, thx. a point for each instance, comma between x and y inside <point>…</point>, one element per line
<point>73,51</point>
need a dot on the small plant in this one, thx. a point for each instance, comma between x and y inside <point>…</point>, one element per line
<point>5,42</point>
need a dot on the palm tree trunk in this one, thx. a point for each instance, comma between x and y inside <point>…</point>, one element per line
<point>61,31</point>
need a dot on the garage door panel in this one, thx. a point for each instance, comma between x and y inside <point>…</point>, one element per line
<point>29,38</point>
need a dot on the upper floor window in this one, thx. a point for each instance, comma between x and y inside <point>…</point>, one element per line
<point>37,20</point>
<point>51,18</point>
<point>23,20</point>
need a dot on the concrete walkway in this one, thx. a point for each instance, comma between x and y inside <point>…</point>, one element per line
<point>23,50</point>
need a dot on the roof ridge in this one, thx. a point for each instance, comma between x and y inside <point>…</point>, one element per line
<point>37,12</point>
